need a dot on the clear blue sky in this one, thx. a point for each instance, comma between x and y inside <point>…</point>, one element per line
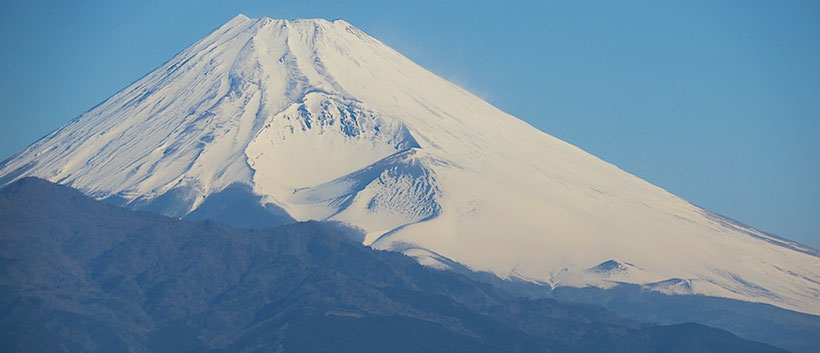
<point>716,101</point>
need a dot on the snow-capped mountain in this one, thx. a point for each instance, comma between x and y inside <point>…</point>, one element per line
<point>322,121</point>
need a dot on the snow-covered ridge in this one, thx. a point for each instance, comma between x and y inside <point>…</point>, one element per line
<point>323,121</point>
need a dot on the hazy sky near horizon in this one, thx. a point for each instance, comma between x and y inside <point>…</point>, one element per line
<point>717,102</point>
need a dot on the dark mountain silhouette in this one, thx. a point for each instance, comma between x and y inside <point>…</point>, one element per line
<point>79,275</point>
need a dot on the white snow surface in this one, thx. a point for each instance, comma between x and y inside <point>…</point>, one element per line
<point>329,123</point>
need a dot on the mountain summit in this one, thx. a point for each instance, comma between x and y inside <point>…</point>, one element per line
<point>316,120</point>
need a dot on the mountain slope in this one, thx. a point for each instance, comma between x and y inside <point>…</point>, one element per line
<point>79,275</point>
<point>316,120</point>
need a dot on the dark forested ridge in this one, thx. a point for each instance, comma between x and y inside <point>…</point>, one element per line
<point>78,275</point>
